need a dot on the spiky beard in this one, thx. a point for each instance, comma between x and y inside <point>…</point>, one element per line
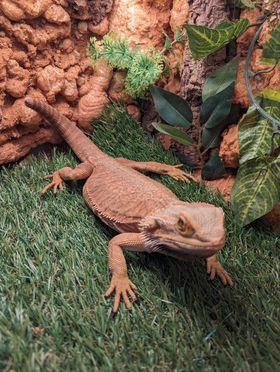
<point>151,242</point>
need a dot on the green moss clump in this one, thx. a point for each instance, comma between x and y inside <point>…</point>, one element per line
<point>144,68</point>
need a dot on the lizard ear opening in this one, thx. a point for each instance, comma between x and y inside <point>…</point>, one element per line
<point>151,224</point>
<point>185,227</point>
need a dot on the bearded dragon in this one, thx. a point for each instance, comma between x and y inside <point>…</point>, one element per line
<point>145,213</point>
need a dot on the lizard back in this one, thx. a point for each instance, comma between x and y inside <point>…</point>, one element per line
<point>122,196</point>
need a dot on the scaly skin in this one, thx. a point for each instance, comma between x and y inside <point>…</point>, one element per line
<point>147,215</point>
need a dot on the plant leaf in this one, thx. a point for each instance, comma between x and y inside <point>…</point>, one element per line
<point>224,25</point>
<point>271,49</point>
<point>220,79</point>
<point>245,3</point>
<point>204,41</point>
<point>220,113</point>
<point>174,133</point>
<point>210,138</point>
<point>255,132</point>
<point>235,113</point>
<point>256,190</point>
<point>248,3</point>
<point>167,44</point>
<point>273,95</point>
<point>172,108</point>
<point>214,168</point>
<point>259,171</point>
<point>275,167</point>
<point>212,102</point>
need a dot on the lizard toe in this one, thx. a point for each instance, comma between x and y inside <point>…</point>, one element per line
<point>216,269</point>
<point>57,183</point>
<point>123,288</point>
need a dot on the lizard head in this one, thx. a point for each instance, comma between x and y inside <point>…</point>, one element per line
<point>185,229</point>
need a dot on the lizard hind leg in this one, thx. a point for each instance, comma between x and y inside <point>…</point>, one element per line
<point>82,171</point>
<point>173,171</point>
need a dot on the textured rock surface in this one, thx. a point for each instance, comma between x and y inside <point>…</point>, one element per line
<point>92,103</point>
<point>141,22</point>
<point>178,16</point>
<point>222,185</point>
<point>44,55</point>
<point>229,147</point>
<point>268,80</point>
<point>93,10</point>
<point>273,218</point>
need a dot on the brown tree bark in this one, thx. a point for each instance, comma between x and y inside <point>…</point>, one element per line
<point>206,13</point>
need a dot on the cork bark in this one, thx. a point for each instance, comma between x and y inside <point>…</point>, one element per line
<point>206,13</point>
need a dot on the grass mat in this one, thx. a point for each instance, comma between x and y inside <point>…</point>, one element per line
<point>54,272</point>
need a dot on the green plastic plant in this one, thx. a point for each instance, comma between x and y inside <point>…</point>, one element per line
<point>215,113</point>
<point>143,67</point>
<point>257,187</point>
<point>246,3</point>
<point>204,41</point>
<point>271,49</point>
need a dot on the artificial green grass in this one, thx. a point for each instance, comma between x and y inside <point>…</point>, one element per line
<point>54,273</point>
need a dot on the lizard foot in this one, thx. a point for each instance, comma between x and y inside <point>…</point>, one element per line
<point>180,175</point>
<point>57,182</point>
<point>215,268</point>
<point>123,287</point>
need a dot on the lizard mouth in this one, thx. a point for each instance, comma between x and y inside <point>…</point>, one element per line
<point>193,242</point>
<point>192,250</point>
<point>191,247</point>
<point>187,253</point>
<point>183,247</point>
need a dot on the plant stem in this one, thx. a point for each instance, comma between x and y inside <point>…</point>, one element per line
<point>264,71</point>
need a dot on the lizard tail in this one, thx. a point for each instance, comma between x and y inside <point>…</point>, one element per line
<point>76,139</point>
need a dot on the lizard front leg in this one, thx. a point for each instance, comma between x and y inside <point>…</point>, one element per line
<point>160,168</point>
<point>120,283</point>
<point>82,171</point>
<point>215,268</point>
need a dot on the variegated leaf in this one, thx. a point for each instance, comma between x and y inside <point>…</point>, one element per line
<point>256,190</point>
<point>275,167</point>
<point>245,3</point>
<point>255,132</point>
<point>271,49</point>
<point>272,94</point>
<point>204,41</point>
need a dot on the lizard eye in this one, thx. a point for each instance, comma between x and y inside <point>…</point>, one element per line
<point>185,227</point>
<point>181,224</point>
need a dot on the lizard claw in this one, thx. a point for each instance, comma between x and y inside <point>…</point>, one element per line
<point>122,287</point>
<point>179,174</point>
<point>57,183</point>
<point>215,268</point>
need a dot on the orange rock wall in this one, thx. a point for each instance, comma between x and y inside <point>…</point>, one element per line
<point>268,80</point>
<point>44,55</point>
